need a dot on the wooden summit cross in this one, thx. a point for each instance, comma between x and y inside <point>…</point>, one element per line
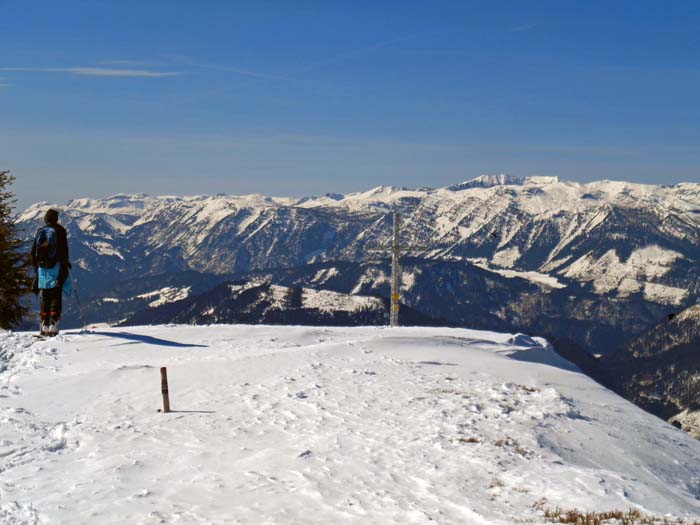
<point>396,248</point>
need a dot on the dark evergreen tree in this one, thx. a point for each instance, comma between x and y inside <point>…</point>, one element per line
<point>294,297</point>
<point>15,282</point>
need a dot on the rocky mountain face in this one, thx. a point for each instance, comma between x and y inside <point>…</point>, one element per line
<point>260,302</point>
<point>117,301</point>
<point>466,294</point>
<point>660,370</point>
<point>598,262</point>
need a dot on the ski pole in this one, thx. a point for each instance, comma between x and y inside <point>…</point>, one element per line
<point>38,300</point>
<point>77,299</point>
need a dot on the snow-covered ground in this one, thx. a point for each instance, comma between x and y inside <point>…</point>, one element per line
<point>321,425</point>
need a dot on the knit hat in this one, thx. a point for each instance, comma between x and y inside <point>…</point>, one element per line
<point>51,217</point>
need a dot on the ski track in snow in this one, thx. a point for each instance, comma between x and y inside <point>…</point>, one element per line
<point>321,425</point>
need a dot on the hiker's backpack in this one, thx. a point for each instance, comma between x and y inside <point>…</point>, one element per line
<point>46,247</point>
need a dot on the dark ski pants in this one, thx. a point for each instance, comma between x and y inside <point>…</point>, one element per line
<point>51,304</point>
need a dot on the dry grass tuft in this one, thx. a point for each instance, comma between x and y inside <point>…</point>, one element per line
<point>513,445</point>
<point>614,517</point>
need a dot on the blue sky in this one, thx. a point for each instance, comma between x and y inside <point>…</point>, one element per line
<point>297,98</point>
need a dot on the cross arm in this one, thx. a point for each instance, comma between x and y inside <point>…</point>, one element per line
<point>402,248</point>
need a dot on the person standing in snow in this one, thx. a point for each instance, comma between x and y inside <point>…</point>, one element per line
<point>51,266</point>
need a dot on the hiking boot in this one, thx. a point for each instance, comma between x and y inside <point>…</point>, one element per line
<point>53,329</point>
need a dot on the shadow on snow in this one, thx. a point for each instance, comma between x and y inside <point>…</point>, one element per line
<point>147,339</point>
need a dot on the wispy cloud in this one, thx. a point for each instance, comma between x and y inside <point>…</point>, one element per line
<point>185,61</point>
<point>331,60</point>
<point>141,63</point>
<point>520,29</point>
<point>239,71</point>
<point>95,71</point>
<point>641,70</point>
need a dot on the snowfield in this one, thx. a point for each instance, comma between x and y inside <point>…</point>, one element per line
<point>322,425</point>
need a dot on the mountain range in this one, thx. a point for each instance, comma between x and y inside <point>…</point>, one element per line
<point>593,250</point>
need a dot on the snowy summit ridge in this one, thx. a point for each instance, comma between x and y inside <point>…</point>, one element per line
<point>323,425</point>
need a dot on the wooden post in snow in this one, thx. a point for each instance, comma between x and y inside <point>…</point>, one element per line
<point>164,389</point>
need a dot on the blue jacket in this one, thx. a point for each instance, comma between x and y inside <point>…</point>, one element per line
<point>48,278</point>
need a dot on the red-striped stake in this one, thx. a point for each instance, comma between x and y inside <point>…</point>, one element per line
<point>164,389</point>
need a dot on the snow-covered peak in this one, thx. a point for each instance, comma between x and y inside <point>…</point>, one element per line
<point>620,190</point>
<point>120,203</point>
<point>35,212</point>
<point>377,198</point>
<point>503,179</point>
<point>541,180</point>
<point>488,181</point>
<point>379,192</point>
<point>383,194</point>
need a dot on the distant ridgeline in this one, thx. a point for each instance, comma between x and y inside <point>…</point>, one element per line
<point>587,265</point>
